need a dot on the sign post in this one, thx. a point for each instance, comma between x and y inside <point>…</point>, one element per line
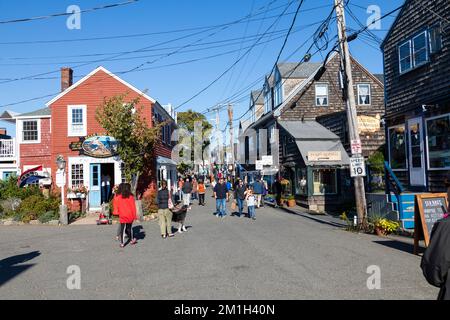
<point>429,208</point>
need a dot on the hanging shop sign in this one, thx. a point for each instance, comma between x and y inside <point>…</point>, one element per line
<point>100,146</point>
<point>324,156</point>
<point>368,124</point>
<point>267,160</point>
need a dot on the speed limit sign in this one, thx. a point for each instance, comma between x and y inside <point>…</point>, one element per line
<point>357,167</point>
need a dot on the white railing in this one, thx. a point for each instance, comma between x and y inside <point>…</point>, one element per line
<point>7,149</point>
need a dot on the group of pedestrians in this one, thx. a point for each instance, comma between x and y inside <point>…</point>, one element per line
<point>243,194</point>
<point>191,189</point>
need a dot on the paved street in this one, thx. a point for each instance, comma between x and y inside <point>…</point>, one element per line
<point>278,256</point>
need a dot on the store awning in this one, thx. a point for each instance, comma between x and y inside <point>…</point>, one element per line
<point>323,153</point>
<point>317,145</point>
<point>165,161</point>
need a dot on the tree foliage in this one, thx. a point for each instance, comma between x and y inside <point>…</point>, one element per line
<point>186,120</point>
<point>127,123</point>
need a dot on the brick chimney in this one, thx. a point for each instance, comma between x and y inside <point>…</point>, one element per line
<point>2,131</point>
<point>66,78</point>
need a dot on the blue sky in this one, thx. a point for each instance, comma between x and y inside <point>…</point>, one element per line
<point>168,84</point>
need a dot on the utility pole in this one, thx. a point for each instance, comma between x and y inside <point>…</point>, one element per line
<point>230,117</point>
<point>360,193</point>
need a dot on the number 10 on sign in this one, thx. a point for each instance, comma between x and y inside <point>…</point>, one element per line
<point>357,167</point>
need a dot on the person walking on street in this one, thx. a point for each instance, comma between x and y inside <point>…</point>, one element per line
<point>277,189</point>
<point>221,195</point>
<point>201,193</point>
<point>239,194</point>
<point>251,201</point>
<point>265,191</point>
<point>194,189</point>
<point>164,213</point>
<point>180,187</point>
<point>258,191</point>
<point>187,190</point>
<point>125,207</point>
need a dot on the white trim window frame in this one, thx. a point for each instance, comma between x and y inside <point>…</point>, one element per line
<point>325,102</point>
<point>76,120</point>
<point>22,132</point>
<point>369,94</point>
<point>405,57</point>
<point>426,142</point>
<point>405,144</point>
<point>76,174</point>
<point>419,51</point>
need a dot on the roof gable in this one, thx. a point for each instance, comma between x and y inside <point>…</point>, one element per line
<point>100,68</point>
<point>394,24</point>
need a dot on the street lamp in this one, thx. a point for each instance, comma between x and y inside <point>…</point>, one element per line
<point>61,182</point>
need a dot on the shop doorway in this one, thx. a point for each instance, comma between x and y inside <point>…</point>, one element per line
<point>102,182</point>
<point>107,181</point>
<point>416,153</point>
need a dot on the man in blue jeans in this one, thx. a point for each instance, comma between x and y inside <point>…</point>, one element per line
<point>221,195</point>
<point>240,196</point>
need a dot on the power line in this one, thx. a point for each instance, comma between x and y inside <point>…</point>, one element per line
<point>138,50</point>
<point>229,68</point>
<point>68,13</point>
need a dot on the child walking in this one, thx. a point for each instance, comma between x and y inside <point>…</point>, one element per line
<point>251,200</point>
<point>201,193</point>
<point>125,208</point>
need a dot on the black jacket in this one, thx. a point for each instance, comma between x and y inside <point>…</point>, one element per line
<point>436,259</point>
<point>163,199</point>
<point>187,187</point>
<point>239,192</point>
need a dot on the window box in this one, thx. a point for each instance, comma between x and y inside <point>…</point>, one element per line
<point>73,195</point>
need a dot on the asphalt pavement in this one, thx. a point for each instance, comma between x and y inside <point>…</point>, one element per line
<point>277,256</point>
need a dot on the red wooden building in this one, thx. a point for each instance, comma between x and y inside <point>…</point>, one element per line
<point>67,127</point>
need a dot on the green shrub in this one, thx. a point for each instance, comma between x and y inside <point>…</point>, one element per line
<point>48,216</point>
<point>35,206</point>
<point>75,216</point>
<point>9,189</point>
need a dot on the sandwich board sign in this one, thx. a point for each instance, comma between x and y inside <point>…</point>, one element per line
<point>429,208</point>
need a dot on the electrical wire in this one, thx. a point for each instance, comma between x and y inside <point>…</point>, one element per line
<point>68,13</point>
<point>237,61</point>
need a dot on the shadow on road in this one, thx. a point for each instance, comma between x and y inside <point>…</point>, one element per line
<point>400,245</point>
<point>9,266</point>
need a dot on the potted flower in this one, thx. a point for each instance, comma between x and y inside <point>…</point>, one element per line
<point>385,226</point>
<point>291,201</point>
<point>77,192</point>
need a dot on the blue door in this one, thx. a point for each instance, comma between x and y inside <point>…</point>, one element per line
<point>94,190</point>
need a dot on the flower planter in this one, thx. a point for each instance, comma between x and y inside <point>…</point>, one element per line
<point>380,232</point>
<point>76,195</point>
<point>291,203</point>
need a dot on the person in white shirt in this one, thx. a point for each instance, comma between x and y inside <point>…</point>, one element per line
<point>251,200</point>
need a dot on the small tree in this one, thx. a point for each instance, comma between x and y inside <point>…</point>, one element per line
<point>126,122</point>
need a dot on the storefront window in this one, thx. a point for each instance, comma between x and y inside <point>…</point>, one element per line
<point>77,178</point>
<point>397,147</point>
<point>438,131</point>
<point>325,181</point>
<point>301,184</point>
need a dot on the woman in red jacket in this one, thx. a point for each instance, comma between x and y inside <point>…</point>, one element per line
<point>125,208</point>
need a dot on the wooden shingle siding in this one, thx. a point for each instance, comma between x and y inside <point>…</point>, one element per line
<point>428,84</point>
<point>431,81</point>
<point>333,116</point>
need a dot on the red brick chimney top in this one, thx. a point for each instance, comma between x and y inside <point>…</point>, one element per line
<point>66,78</point>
